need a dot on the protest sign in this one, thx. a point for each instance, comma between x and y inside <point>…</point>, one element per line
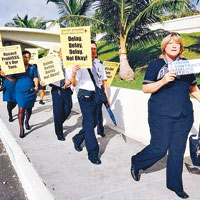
<point>11,60</point>
<point>76,46</point>
<point>0,41</point>
<point>111,69</point>
<point>50,69</point>
<point>183,67</point>
<point>54,50</point>
<point>34,55</point>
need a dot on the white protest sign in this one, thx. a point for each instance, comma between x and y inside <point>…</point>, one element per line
<point>54,50</point>
<point>11,60</point>
<point>50,69</point>
<point>183,67</point>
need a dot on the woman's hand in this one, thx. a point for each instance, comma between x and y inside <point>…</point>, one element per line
<point>75,69</point>
<point>67,83</point>
<point>36,89</point>
<point>42,83</point>
<point>170,76</point>
<point>1,72</point>
<point>108,103</point>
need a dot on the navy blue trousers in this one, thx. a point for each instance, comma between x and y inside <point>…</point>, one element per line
<point>89,111</point>
<point>99,118</point>
<point>62,105</point>
<point>167,134</point>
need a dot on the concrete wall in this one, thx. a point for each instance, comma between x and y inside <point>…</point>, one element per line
<point>31,37</point>
<point>182,25</point>
<point>130,110</point>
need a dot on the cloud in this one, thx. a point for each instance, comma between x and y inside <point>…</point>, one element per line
<point>34,8</point>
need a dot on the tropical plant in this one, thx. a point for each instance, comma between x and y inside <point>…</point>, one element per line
<point>69,10</point>
<point>27,23</point>
<point>127,22</point>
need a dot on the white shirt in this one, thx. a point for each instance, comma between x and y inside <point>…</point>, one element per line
<point>67,75</point>
<point>84,79</point>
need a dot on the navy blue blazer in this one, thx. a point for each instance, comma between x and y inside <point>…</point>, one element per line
<point>173,99</point>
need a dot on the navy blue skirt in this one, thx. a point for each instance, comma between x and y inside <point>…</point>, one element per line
<point>9,93</point>
<point>25,100</point>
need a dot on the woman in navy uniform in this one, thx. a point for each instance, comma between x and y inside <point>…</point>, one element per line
<point>62,99</point>
<point>170,115</point>
<point>9,96</point>
<point>89,107</point>
<point>25,91</point>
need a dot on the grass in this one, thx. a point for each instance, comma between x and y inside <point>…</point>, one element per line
<point>139,57</point>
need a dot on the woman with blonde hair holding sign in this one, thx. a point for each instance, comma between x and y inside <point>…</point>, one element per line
<point>170,115</point>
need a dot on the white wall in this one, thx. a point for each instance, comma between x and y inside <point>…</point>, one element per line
<point>182,25</point>
<point>34,37</point>
<point>130,110</point>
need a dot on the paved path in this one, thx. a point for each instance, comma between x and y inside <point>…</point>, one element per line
<point>10,186</point>
<point>69,175</point>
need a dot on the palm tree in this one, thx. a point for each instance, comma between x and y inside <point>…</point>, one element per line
<point>69,9</point>
<point>127,22</point>
<point>27,23</point>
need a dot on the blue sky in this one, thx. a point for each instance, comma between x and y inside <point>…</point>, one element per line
<point>34,8</point>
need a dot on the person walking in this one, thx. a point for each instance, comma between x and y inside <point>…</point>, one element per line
<point>88,105</point>
<point>170,115</point>
<point>62,99</point>
<point>25,91</point>
<point>9,96</point>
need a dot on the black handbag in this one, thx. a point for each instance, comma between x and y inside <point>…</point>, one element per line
<point>195,149</point>
<point>100,95</point>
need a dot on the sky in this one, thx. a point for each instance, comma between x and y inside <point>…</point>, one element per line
<point>34,8</point>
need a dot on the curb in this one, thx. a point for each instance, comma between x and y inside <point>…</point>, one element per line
<point>34,186</point>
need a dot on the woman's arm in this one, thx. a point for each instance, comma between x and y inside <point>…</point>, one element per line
<point>154,87</point>
<point>73,80</point>
<point>9,78</point>
<point>195,92</point>
<point>105,88</point>
<point>36,81</point>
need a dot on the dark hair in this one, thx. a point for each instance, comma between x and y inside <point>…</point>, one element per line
<point>93,42</point>
<point>25,52</point>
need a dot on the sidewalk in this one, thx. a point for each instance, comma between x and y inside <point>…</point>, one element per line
<point>10,186</point>
<point>68,174</point>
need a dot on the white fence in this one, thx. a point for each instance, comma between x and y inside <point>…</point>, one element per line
<point>130,110</point>
<point>182,25</point>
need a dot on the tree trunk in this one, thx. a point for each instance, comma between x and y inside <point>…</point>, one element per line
<point>126,73</point>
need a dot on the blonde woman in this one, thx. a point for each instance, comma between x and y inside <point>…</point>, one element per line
<point>170,115</point>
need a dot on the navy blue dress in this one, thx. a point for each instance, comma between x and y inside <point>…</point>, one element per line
<point>24,89</point>
<point>9,94</point>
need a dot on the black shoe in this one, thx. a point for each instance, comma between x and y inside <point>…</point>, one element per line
<point>27,126</point>
<point>102,134</point>
<point>95,161</point>
<point>77,147</point>
<point>41,102</point>
<point>61,138</point>
<point>22,136</point>
<point>11,119</point>
<point>135,173</point>
<point>182,194</point>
